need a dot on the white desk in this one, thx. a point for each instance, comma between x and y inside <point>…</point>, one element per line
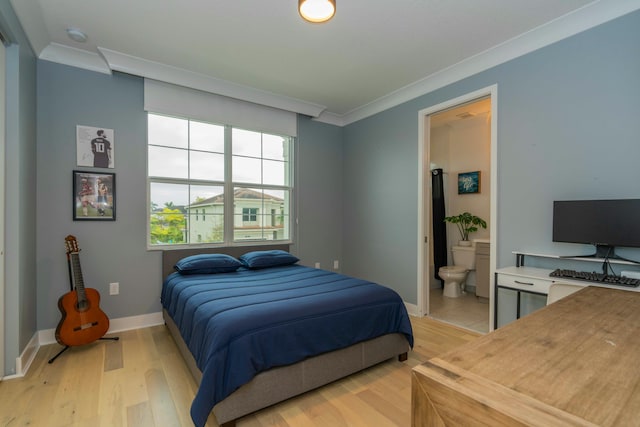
<point>533,280</point>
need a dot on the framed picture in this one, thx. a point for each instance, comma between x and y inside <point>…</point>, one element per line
<point>469,182</point>
<point>94,196</point>
<point>95,147</point>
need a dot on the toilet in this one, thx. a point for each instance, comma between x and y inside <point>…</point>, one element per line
<point>454,276</point>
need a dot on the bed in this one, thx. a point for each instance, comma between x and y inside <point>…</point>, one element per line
<point>259,334</point>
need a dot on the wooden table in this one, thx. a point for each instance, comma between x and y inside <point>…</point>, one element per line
<point>573,363</point>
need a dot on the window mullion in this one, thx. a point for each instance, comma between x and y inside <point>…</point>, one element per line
<point>189,199</point>
<point>229,202</point>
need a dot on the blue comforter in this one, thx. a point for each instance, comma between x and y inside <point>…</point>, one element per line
<point>239,324</point>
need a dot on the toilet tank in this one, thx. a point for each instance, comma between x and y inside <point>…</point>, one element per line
<point>464,256</point>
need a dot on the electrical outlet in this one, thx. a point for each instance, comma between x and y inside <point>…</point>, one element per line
<point>114,288</point>
<point>336,265</point>
<point>317,265</point>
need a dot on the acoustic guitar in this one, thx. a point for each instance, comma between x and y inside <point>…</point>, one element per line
<point>83,321</point>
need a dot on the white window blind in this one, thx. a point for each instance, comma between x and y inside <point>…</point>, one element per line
<point>166,98</point>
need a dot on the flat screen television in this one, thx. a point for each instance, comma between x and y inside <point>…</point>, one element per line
<point>602,223</point>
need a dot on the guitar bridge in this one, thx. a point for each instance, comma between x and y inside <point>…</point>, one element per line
<point>85,326</point>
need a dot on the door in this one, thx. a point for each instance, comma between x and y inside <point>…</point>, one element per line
<point>427,118</point>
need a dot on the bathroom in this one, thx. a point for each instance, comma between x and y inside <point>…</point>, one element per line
<point>460,143</point>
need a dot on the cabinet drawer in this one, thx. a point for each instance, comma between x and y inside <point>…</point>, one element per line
<point>525,283</point>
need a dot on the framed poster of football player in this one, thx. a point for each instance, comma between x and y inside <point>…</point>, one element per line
<point>95,147</point>
<point>94,196</point>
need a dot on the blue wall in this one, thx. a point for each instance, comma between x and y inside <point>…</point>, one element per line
<point>116,251</point>
<point>111,251</point>
<point>567,128</point>
<point>319,180</point>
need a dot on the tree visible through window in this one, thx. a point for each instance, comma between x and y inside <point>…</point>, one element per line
<point>216,184</point>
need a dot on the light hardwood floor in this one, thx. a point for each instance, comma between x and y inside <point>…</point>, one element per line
<point>141,380</point>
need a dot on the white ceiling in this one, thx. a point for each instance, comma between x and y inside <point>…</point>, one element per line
<point>372,55</point>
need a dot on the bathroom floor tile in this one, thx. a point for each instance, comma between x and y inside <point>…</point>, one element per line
<point>468,311</point>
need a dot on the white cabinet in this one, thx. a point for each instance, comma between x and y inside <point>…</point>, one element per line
<point>527,279</point>
<point>521,280</point>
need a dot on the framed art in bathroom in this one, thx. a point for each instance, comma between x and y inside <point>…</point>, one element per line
<point>94,196</point>
<point>469,182</point>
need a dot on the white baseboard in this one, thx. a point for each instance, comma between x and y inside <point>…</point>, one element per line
<point>48,336</point>
<point>23,362</point>
<point>136,322</point>
<point>412,309</point>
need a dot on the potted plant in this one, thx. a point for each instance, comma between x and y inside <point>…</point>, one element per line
<point>466,224</point>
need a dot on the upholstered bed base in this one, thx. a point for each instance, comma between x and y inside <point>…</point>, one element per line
<point>278,384</point>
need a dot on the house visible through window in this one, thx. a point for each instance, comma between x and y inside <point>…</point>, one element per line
<point>217,184</point>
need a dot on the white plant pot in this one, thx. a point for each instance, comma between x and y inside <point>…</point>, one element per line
<point>464,242</point>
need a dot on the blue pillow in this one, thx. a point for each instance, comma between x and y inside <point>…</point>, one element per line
<point>207,264</point>
<point>264,259</point>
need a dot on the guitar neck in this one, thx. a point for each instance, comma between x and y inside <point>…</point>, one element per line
<point>76,276</point>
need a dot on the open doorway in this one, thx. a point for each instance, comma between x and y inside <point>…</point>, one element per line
<point>457,139</point>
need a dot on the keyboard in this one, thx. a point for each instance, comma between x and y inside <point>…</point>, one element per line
<point>596,277</point>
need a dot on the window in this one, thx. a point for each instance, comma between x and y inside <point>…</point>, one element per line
<point>249,215</point>
<point>217,184</point>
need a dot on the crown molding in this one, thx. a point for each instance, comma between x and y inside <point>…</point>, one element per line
<point>168,74</point>
<point>330,118</point>
<point>563,27</point>
<point>75,57</point>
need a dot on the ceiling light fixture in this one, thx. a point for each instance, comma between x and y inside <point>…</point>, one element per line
<point>317,11</point>
<point>76,35</point>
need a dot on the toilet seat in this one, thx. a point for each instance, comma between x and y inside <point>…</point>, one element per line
<point>452,269</point>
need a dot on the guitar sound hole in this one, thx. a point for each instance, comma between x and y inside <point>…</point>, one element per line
<point>83,306</point>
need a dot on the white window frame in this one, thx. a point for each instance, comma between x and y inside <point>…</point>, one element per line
<point>229,186</point>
